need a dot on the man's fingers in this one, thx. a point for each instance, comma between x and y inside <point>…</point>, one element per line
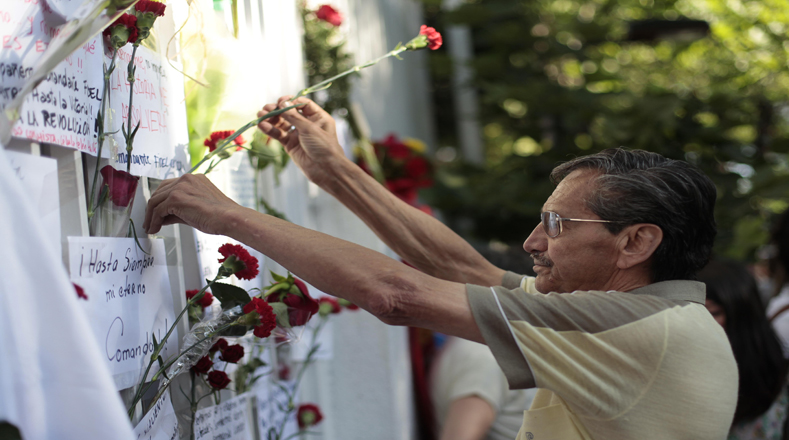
<point>156,198</point>
<point>310,109</point>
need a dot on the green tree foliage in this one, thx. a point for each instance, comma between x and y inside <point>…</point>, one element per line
<point>562,78</point>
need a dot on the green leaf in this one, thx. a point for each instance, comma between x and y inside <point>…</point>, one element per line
<point>281,310</point>
<point>230,295</point>
<point>155,344</point>
<point>277,277</point>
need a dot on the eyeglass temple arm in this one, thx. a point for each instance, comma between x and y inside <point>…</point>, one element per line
<point>585,220</point>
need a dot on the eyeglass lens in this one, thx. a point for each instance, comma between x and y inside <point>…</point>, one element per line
<point>550,223</point>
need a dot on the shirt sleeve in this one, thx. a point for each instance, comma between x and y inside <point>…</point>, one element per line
<point>511,280</point>
<point>577,345</point>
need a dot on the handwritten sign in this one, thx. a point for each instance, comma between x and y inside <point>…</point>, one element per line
<point>226,421</point>
<point>129,300</point>
<point>161,144</point>
<point>272,408</point>
<point>160,423</point>
<point>62,109</point>
<point>39,176</point>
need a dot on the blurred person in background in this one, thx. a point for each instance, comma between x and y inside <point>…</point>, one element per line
<point>469,392</point>
<point>778,306</point>
<point>733,300</point>
<point>471,396</point>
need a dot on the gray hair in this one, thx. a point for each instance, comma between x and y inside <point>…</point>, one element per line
<point>636,186</point>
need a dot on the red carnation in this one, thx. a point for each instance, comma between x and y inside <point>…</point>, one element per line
<point>243,265</point>
<point>220,344</point>
<point>256,305</point>
<point>352,306</point>
<point>308,415</point>
<point>203,365</point>
<point>329,15</point>
<point>80,291</point>
<point>218,379</point>
<point>404,188</point>
<point>434,39</point>
<point>394,148</point>
<point>302,307</point>
<point>232,354</point>
<point>150,6</point>
<point>122,185</point>
<point>123,30</point>
<point>203,302</point>
<point>216,137</point>
<point>328,305</point>
<point>417,167</point>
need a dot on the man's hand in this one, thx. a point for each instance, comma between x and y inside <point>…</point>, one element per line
<point>190,199</point>
<point>308,135</point>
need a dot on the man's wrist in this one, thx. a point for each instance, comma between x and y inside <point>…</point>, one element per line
<point>337,171</point>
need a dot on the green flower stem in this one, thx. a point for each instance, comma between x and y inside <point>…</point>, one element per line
<point>100,119</point>
<point>274,289</point>
<point>307,361</point>
<point>325,84</point>
<point>193,406</point>
<point>129,134</point>
<point>226,142</point>
<point>317,87</point>
<point>155,355</point>
<point>171,362</point>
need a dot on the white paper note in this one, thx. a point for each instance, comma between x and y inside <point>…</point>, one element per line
<point>62,109</point>
<point>39,176</point>
<point>272,408</point>
<point>229,420</point>
<point>161,144</point>
<point>160,423</point>
<point>129,300</point>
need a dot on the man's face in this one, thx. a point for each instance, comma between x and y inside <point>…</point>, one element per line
<point>584,255</point>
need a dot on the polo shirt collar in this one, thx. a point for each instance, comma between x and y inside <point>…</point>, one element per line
<point>681,290</point>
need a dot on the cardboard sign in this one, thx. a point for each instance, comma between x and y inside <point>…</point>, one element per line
<point>129,300</point>
<point>229,420</point>
<point>160,423</point>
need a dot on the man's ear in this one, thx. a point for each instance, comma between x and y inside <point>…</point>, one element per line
<point>637,244</point>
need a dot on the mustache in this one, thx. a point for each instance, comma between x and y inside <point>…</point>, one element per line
<point>540,259</point>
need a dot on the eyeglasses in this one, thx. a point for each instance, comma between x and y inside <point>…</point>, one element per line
<point>552,222</point>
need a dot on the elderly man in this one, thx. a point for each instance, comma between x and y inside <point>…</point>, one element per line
<point>611,331</point>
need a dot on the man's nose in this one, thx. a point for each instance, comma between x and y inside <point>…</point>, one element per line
<point>537,241</point>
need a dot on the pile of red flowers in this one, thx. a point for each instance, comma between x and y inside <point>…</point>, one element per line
<point>405,168</point>
<point>227,353</point>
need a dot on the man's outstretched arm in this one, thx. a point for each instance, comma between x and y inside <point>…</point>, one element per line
<point>392,291</point>
<point>418,238</point>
